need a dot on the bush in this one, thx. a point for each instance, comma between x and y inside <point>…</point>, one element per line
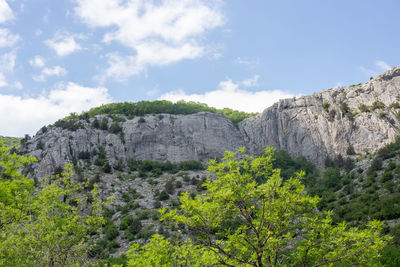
<point>344,108</point>
<point>363,108</point>
<point>135,226</point>
<point>178,184</point>
<point>325,106</point>
<point>350,150</point>
<point>378,105</point>
<point>331,178</point>
<point>104,124</point>
<point>163,195</point>
<point>348,164</point>
<point>96,124</point>
<point>169,187</point>
<point>126,222</point>
<point>332,114</point>
<point>107,167</point>
<point>84,155</point>
<point>111,231</point>
<point>157,204</point>
<point>115,128</point>
<point>376,164</point>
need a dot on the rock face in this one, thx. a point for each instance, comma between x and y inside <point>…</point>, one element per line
<point>364,116</point>
<point>199,136</point>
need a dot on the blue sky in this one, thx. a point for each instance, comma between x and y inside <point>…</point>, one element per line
<point>58,57</point>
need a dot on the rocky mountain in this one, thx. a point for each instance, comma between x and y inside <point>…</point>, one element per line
<point>363,116</point>
<point>146,158</point>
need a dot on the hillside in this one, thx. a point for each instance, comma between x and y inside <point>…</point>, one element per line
<point>10,142</point>
<point>147,153</point>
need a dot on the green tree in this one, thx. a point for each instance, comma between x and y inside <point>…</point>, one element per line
<point>160,252</point>
<point>44,226</point>
<point>249,216</point>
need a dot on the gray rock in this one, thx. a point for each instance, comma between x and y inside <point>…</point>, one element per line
<point>299,125</point>
<point>303,128</point>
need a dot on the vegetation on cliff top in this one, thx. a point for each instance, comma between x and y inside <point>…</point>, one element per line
<point>141,108</point>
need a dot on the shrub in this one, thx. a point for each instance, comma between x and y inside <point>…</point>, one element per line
<point>84,155</point>
<point>169,187</point>
<point>376,164</point>
<point>115,128</point>
<point>178,184</point>
<point>382,115</point>
<point>39,145</point>
<point>395,105</point>
<point>96,123</point>
<point>332,114</point>
<point>325,106</point>
<point>104,124</point>
<point>111,231</point>
<point>348,164</point>
<point>107,167</point>
<point>126,222</point>
<point>350,150</point>
<point>378,105</point>
<point>157,204</point>
<point>363,108</point>
<point>163,195</point>
<point>344,108</point>
<point>135,226</point>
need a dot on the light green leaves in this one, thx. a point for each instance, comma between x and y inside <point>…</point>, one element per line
<point>250,216</point>
<point>47,226</point>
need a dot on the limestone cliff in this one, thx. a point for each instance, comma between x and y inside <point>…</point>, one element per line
<point>364,116</point>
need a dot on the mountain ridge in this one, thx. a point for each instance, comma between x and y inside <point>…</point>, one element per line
<point>324,124</point>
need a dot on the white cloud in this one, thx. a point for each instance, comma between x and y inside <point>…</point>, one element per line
<point>368,72</point>
<point>3,82</point>
<point>383,65</point>
<point>251,82</point>
<point>229,95</point>
<point>26,115</point>
<point>64,43</point>
<point>6,13</point>
<point>159,32</point>
<point>46,72</point>
<point>18,85</point>
<point>247,61</point>
<point>37,61</point>
<point>7,61</point>
<point>157,54</point>
<point>8,39</point>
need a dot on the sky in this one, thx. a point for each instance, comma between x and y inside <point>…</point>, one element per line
<point>58,57</point>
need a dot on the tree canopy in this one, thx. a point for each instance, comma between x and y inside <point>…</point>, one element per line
<point>158,107</point>
<point>47,225</point>
<point>249,216</point>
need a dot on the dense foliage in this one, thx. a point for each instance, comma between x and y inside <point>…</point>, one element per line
<point>250,216</point>
<point>158,107</point>
<point>44,226</point>
<point>10,142</point>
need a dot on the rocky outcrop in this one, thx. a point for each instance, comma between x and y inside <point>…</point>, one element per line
<point>364,116</point>
<point>163,137</point>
